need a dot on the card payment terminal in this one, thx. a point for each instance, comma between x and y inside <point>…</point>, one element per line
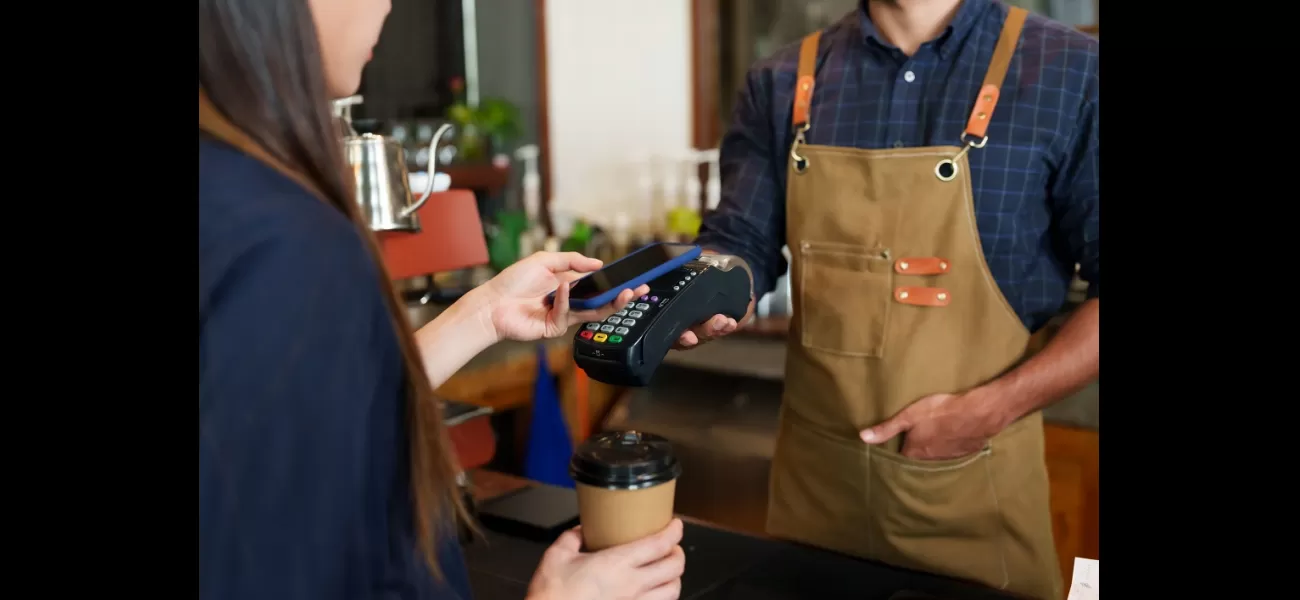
<point>627,348</point>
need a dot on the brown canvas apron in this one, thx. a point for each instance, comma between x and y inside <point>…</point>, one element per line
<point>894,301</point>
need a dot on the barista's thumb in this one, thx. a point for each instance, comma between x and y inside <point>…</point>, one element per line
<point>886,431</point>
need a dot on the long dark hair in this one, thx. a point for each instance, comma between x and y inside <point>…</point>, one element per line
<point>260,65</point>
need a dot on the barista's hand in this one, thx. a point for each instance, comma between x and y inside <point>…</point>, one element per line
<point>940,426</point>
<point>647,569</point>
<point>715,327</point>
<point>517,296</point>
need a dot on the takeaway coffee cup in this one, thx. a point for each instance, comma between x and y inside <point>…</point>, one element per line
<point>625,482</point>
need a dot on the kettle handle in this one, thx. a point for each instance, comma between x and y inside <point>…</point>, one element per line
<point>343,110</point>
<point>433,170</point>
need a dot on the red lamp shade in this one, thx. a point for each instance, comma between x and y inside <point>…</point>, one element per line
<point>450,238</point>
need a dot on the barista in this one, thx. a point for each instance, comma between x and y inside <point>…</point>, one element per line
<point>932,165</point>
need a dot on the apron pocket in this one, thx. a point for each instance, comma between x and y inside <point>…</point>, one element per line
<point>844,298</point>
<point>818,489</point>
<point>939,516</point>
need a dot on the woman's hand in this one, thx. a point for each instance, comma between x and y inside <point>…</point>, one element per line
<point>518,296</point>
<point>647,569</point>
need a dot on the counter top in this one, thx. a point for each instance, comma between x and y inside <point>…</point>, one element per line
<point>723,565</point>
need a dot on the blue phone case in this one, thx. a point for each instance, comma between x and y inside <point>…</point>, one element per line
<point>648,276</point>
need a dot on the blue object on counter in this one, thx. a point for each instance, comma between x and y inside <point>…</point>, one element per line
<point>549,445</point>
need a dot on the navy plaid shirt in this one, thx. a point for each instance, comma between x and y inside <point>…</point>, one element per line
<point>1035,182</point>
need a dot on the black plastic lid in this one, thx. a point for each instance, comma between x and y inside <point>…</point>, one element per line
<point>624,460</point>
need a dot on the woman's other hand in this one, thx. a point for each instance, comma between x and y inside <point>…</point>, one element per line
<point>520,310</point>
<point>647,569</point>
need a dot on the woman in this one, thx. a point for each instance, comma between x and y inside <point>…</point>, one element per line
<point>324,471</point>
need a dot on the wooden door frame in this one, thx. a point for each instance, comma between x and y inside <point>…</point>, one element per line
<point>543,119</point>
<point>705,55</point>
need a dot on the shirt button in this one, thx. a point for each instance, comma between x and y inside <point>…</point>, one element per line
<point>909,77</point>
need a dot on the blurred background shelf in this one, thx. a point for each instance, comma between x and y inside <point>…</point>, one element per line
<point>485,178</point>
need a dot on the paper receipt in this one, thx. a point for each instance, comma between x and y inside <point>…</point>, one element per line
<point>1086,581</point>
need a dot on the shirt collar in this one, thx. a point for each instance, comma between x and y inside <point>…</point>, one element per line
<point>961,24</point>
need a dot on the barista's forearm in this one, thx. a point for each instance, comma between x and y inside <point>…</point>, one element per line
<point>457,335</point>
<point>1068,362</point>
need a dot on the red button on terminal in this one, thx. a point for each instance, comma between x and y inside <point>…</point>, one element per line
<point>586,335</point>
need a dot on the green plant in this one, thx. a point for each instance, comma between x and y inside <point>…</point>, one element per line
<point>495,119</point>
<point>499,119</point>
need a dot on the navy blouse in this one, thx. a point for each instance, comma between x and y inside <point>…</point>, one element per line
<point>304,487</point>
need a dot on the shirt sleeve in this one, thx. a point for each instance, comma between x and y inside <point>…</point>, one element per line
<point>1076,201</point>
<point>293,376</point>
<point>750,219</point>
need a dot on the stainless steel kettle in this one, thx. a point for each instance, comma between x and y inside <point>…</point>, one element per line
<point>378,163</point>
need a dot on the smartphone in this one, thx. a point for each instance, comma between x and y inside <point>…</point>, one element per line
<point>642,266</point>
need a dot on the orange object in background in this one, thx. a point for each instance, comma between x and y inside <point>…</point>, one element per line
<point>582,420</point>
<point>474,442</point>
<point>450,238</point>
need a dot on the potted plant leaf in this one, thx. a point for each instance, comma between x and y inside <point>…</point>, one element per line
<point>485,129</point>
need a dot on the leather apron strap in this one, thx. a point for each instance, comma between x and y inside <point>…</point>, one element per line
<point>980,115</point>
<point>807,80</point>
<point>996,74</point>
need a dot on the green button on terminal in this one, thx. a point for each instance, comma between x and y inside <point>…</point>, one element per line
<point>614,339</point>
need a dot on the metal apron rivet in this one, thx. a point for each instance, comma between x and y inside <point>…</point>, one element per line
<point>943,265</point>
<point>947,169</point>
<point>902,294</point>
<point>942,296</point>
<point>903,265</point>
